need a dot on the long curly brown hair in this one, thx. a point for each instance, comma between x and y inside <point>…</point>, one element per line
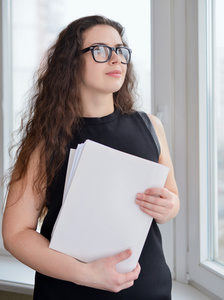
<point>55,107</point>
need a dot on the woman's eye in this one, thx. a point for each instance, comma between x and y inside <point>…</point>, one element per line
<point>101,50</point>
<point>97,49</point>
<point>119,51</point>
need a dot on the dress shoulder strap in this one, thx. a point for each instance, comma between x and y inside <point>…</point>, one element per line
<point>151,129</point>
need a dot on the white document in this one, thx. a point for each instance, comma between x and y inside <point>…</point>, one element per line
<point>99,216</point>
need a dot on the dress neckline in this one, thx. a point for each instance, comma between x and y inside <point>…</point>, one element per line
<point>101,120</point>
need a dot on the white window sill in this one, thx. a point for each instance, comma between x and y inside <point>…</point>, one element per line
<point>16,277</point>
<point>182,291</point>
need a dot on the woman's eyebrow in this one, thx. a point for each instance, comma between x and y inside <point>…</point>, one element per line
<point>101,43</point>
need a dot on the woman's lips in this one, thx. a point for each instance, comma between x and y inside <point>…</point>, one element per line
<point>115,73</point>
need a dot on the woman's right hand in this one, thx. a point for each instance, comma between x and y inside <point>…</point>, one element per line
<point>103,274</point>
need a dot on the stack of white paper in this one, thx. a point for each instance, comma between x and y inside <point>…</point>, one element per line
<point>99,216</point>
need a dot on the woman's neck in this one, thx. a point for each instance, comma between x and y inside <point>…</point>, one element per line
<point>98,106</point>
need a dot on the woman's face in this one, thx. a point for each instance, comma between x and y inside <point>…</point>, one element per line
<point>102,78</point>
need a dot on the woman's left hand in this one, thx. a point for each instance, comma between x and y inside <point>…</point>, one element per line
<point>158,203</point>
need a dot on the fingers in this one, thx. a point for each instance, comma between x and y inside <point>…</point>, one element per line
<point>157,203</point>
<point>126,280</point>
<point>152,203</point>
<point>155,199</point>
<point>122,256</point>
<point>136,271</point>
<point>108,278</point>
<point>132,275</point>
<point>159,192</point>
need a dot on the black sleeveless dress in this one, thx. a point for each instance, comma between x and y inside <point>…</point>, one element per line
<point>128,133</point>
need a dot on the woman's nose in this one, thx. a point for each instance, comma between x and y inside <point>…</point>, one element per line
<point>115,58</point>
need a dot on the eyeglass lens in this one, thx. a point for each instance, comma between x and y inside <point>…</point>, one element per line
<point>102,53</point>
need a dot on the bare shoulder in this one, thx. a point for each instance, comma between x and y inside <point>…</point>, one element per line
<point>165,158</point>
<point>156,122</point>
<point>158,126</point>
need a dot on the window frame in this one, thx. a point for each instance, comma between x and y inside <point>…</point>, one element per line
<point>6,97</point>
<point>203,273</point>
<point>179,65</point>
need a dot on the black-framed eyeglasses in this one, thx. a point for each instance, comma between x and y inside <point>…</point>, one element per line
<point>102,53</point>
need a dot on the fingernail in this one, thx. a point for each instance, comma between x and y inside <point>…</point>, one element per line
<point>139,196</point>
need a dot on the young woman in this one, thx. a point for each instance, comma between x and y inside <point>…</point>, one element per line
<point>85,91</point>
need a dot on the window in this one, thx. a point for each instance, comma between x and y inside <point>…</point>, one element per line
<point>215,126</point>
<point>217,94</point>
<point>206,261</point>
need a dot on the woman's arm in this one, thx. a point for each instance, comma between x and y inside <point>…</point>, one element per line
<point>161,203</point>
<point>31,248</point>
